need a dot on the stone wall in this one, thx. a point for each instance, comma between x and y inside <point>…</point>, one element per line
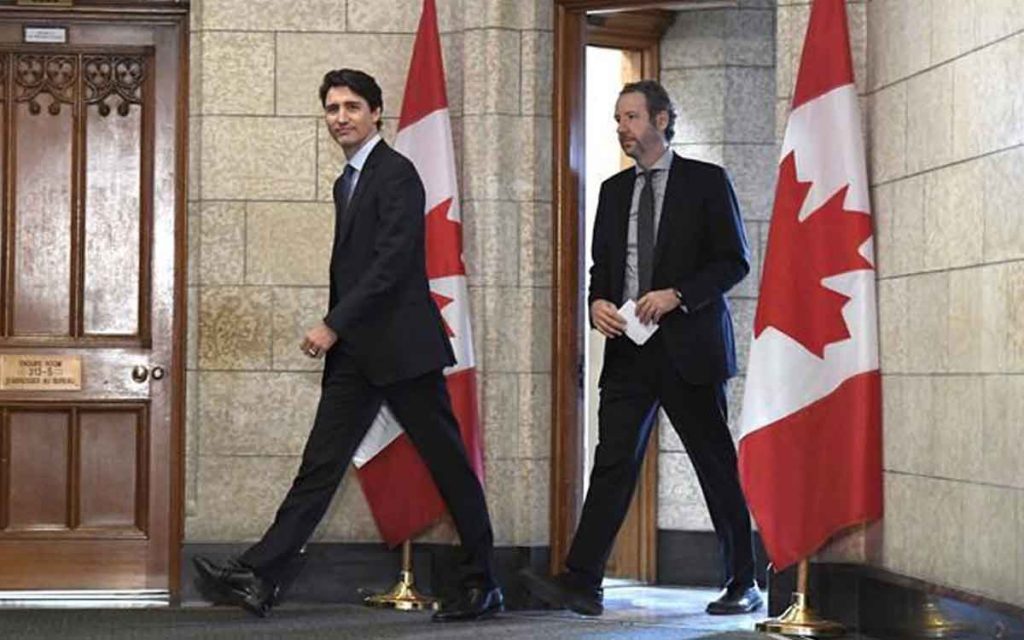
<point>261,224</point>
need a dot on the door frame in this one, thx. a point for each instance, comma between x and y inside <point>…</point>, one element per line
<point>174,13</point>
<point>568,317</point>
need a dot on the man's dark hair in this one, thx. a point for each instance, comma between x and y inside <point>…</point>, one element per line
<point>657,101</point>
<point>362,84</point>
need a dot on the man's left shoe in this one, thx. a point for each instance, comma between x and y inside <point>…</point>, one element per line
<point>735,601</point>
<point>475,603</point>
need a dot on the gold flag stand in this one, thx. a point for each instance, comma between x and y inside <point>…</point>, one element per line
<point>800,619</point>
<point>403,596</point>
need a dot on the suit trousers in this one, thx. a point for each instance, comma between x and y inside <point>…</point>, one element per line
<point>637,380</point>
<point>347,408</point>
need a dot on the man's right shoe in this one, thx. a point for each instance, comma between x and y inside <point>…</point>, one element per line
<point>235,584</point>
<point>562,591</point>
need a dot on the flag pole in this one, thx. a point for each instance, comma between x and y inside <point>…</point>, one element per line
<point>800,619</point>
<point>403,596</point>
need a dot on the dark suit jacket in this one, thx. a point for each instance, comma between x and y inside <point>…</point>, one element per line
<point>380,304</point>
<point>701,250</point>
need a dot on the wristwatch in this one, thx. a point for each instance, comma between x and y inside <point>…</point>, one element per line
<point>679,297</point>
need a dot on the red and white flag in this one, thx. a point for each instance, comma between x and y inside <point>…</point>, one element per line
<point>810,452</point>
<point>397,485</point>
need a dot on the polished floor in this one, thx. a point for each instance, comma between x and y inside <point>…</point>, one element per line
<point>631,612</point>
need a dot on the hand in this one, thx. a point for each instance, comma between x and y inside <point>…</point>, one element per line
<point>606,318</point>
<point>318,341</point>
<point>655,304</point>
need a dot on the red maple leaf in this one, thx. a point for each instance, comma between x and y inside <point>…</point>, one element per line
<point>442,302</point>
<point>444,243</point>
<point>803,253</point>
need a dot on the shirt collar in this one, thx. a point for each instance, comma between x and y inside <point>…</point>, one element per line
<point>357,161</point>
<point>664,163</point>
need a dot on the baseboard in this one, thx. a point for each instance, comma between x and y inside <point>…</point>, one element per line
<point>692,558</point>
<point>879,603</point>
<point>345,572</point>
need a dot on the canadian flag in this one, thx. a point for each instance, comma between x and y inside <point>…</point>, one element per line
<point>810,453</point>
<point>397,485</point>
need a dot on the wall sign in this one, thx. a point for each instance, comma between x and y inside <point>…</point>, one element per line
<point>46,35</point>
<point>40,373</point>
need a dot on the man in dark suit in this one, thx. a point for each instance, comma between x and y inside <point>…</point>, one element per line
<point>668,234</point>
<point>384,341</point>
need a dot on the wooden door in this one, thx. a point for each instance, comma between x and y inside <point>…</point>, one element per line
<point>91,258</point>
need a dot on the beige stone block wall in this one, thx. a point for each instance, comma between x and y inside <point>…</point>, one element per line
<point>945,129</point>
<point>261,223</point>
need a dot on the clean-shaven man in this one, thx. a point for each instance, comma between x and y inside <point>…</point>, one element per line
<point>668,235</point>
<point>384,341</point>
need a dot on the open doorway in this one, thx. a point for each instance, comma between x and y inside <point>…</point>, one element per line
<point>717,60</point>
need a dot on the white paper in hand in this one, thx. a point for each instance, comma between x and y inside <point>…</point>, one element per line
<point>636,331</point>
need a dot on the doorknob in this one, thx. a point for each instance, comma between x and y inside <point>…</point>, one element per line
<point>140,373</point>
<point>158,373</point>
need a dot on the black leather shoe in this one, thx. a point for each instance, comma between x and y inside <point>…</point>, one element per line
<point>562,591</point>
<point>735,600</point>
<point>235,584</point>
<point>475,603</point>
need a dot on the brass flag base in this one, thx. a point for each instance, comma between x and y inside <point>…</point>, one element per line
<point>403,596</point>
<point>935,625</point>
<point>799,619</point>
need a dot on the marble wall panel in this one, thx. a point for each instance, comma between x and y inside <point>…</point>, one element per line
<point>996,311</point>
<point>753,169</point>
<point>237,73</point>
<point>954,28</point>
<point>928,328</point>
<point>222,234</point>
<point>1002,194</point>
<point>509,14</point>
<point>681,504</point>
<point>501,415</point>
<point>195,227</point>
<point>1000,440</point>
<point>238,496</point>
<point>400,16</point>
<point>304,58</point>
<point>273,15</point>
<point>521,346</point>
<point>490,239</point>
<point>506,158</point>
<point>493,67</point>
<point>893,324</point>
<point>987,99</point>
<point>191,442</point>
<point>986,547</point>
<point>957,428</point>
<point>349,519</point>
<point>192,335</point>
<point>790,28</point>
<point>534,416</point>
<point>965,318</point>
<point>538,73</point>
<point>296,310</point>
<point>887,133</point>
<point>257,414</point>
<point>519,516</point>
<point>908,225</point>
<point>698,39</point>
<point>699,96</point>
<point>997,19</point>
<point>954,217</point>
<point>289,243</point>
<point>900,32</point>
<point>535,244</point>
<point>246,158</point>
<point>234,328</point>
<point>195,140</point>
<point>750,38</point>
<point>749,106</point>
<point>930,119</point>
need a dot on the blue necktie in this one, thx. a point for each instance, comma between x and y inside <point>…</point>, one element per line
<point>348,179</point>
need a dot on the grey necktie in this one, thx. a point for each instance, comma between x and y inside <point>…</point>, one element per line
<point>645,233</point>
